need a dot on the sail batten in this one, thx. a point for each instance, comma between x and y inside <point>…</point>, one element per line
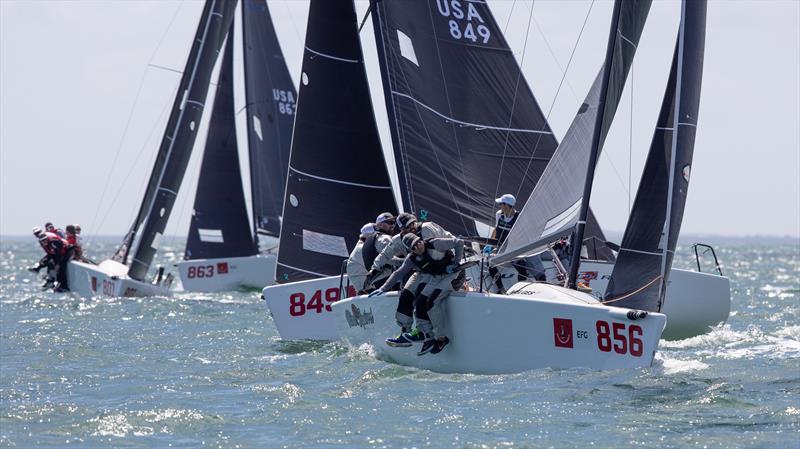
<point>337,178</point>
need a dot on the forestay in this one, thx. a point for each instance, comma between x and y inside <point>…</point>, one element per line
<point>179,136</point>
<point>271,102</point>
<point>640,275</point>
<point>337,178</point>
<point>220,226</point>
<point>553,208</point>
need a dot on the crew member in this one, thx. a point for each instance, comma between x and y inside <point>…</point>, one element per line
<point>434,264</point>
<point>57,231</point>
<point>370,244</point>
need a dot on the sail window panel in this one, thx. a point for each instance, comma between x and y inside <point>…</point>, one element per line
<point>407,47</point>
<point>318,242</point>
<point>156,243</point>
<point>211,235</point>
<point>563,220</point>
<point>257,127</point>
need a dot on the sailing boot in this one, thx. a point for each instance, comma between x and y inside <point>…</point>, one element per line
<point>415,336</point>
<point>439,345</point>
<point>427,346</point>
<point>400,341</point>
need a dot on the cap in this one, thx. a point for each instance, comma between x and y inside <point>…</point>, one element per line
<point>386,216</point>
<point>367,229</point>
<point>506,199</point>
<point>48,225</point>
<point>405,219</point>
<point>37,231</point>
<point>409,240</point>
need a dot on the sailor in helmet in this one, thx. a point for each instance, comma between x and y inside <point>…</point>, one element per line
<point>433,264</point>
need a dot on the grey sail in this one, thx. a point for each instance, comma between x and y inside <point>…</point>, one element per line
<point>641,273</point>
<point>220,226</point>
<point>271,103</point>
<point>179,136</point>
<point>554,207</point>
<point>337,175</point>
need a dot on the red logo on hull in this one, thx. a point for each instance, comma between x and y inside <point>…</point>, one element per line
<point>94,284</point>
<point>222,268</point>
<point>562,331</point>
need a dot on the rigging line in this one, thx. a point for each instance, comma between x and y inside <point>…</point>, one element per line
<point>452,126</point>
<point>513,106</point>
<point>145,145</point>
<point>508,21</point>
<point>629,294</point>
<point>555,97</point>
<point>128,123</point>
<point>428,137</point>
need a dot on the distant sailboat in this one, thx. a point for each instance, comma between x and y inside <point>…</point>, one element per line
<point>222,252</point>
<point>114,277</point>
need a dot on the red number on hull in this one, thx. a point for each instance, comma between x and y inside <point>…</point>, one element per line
<point>298,305</point>
<point>623,343</point>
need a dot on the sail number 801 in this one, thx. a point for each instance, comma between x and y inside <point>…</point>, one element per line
<point>616,338</point>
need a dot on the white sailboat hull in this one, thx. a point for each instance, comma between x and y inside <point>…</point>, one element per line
<point>695,303</point>
<point>226,274</point>
<point>109,279</point>
<point>549,326</point>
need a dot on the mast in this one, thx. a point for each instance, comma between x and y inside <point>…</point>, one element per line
<point>577,237</point>
<point>220,226</point>
<point>553,208</point>
<point>673,155</point>
<point>641,274</point>
<point>271,101</point>
<point>179,137</point>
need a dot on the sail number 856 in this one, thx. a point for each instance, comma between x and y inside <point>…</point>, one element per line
<point>615,337</point>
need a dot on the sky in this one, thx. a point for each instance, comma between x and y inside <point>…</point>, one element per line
<point>85,88</point>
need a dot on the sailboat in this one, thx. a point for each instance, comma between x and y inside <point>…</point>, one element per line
<point>544,325</point>
<point>126,275</point>
<point>436,152</point>
<point>222,252</point>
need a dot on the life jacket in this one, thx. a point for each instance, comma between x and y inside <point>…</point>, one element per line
<point>53,244</point>
<point>368,251</point>
<point>428,265</point>
<point>503,227</point>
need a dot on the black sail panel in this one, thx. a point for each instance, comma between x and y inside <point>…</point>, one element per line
<point>271,102</point>
<point>220,226</point>
<point>465,125</point>
<point>176,145</point>
<point>642,269</point>
<point>554,206</point>
<point>337,177</point>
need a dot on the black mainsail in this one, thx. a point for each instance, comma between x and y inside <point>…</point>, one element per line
<point>555,205</point>
<point>179,136</point>
<point>220,226</point>
<point>271,103</point>
<point>337,178</point>
<point>465,125</point>
<point>640,275</point>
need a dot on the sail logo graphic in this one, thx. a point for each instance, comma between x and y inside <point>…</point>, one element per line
<point>562,332</point>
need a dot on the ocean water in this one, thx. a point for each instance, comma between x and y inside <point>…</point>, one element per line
<point>208,370</point>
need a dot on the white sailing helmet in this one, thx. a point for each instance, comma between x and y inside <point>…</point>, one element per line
<point>506,199</point>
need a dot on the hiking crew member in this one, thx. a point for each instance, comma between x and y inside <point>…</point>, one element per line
<point>433,263</point>
<point>55,249</point>
<point>370,244</point>
<point>50,228</point>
